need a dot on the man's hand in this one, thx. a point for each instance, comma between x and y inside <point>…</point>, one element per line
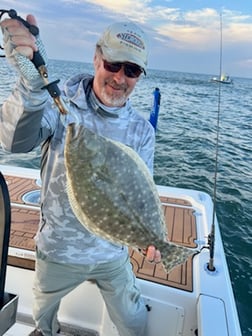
<point>17,37</point>
<point>152,254</point>
<point>19,46</point>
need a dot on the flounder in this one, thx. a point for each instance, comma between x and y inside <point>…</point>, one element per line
<point>112,193</point>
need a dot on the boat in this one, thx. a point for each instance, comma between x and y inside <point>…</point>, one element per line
<point>191,300</point>
<point>224,79</point>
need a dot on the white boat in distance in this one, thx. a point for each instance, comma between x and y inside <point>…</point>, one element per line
<point>189,301</point>
<point>224,79</point>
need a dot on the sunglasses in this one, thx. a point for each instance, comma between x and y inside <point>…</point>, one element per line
<point>130,70</point>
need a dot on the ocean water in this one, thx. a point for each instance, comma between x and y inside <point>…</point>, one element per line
<point>185,152</point>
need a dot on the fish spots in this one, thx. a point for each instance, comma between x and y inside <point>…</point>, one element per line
<point>113,195</point>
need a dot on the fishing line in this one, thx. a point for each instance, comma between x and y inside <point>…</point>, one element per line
<point>211,236</point>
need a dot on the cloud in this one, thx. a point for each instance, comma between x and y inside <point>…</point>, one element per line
<point>200,29</point>
<point>131,9</point>
<point>245,63</point>
<point>238,33</point>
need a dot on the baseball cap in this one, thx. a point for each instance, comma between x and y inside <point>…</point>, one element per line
<point>125,42</point>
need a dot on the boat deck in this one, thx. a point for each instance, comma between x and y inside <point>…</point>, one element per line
<point>180,220</point>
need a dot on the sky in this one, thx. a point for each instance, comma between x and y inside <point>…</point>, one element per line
<point>184,35</point>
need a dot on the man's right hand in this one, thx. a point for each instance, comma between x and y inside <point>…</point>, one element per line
<point>19,46</point>
<point>17,37</point>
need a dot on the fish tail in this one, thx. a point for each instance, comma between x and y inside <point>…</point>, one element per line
<point>174,255</point>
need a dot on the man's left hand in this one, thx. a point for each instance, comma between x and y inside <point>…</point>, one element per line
<point>152,254</point>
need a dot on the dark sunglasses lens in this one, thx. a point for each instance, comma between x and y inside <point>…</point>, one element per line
<point>132,71</point>
<point>112,67</point>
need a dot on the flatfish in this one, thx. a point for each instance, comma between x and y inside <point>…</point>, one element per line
<point>112,193</point>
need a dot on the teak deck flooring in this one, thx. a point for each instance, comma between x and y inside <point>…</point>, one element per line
<point>180,220</point>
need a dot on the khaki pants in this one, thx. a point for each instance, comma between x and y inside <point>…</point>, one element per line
<point>115,280</point>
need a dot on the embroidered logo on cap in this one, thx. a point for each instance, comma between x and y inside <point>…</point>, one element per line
<point>131,39</point>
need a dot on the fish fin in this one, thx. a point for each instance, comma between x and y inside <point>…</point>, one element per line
<point>174,255</point>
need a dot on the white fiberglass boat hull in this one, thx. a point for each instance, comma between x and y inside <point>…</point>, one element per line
<point>208,309</point>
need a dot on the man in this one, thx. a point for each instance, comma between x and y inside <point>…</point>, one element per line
<point>67,254</point>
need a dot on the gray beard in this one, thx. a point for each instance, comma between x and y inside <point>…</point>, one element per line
<point>113,101</point>
<point>103,110</point>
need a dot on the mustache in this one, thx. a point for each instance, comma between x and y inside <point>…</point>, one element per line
<point>117,86</point>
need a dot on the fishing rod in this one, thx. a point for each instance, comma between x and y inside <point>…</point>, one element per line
<point>39,62</point>
<point>211,236</point>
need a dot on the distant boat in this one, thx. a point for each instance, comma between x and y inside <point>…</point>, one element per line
<point>224,79</point>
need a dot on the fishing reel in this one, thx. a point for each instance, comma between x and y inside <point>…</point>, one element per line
<point>39,62</point>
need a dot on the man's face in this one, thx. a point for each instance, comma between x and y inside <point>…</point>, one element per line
<point>111,88</point>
